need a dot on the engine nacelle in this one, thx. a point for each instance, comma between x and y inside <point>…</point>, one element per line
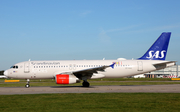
<point>65,79</point>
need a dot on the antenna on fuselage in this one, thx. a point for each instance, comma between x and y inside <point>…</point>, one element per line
<point>29,59</point>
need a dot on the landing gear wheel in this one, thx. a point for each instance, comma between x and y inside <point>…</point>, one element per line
<point>27,85</point>
<point>85,84</point>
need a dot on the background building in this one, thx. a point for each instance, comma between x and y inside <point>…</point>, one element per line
<point>171,72</point>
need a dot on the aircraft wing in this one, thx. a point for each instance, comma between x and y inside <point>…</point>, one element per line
<point>94,70</point>
<point>88,72</point>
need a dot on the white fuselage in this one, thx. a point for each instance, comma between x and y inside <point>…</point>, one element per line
<point>48,69</point>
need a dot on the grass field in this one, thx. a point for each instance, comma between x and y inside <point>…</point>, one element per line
<point>113,81</point>
<point>91,102</point>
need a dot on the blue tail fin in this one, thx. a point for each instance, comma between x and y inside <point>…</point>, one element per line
<point>159,49</point>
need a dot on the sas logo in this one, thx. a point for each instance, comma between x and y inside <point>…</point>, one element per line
<point>156,54</point>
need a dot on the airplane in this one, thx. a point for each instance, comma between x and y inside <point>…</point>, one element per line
<point>73,71</point>
<point>2,76</point>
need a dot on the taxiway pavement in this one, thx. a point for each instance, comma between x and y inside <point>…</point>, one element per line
<point>173,88</point>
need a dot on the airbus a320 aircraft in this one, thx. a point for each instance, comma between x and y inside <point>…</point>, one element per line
<point>72,71</point>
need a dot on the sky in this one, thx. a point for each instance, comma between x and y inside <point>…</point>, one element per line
<point>85,29</point>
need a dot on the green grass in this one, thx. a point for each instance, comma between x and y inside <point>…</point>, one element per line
<point>114,81</point>
<point>105,79</point>
<point>90,102</point>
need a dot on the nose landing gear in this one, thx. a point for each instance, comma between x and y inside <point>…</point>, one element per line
<point>27,85</point>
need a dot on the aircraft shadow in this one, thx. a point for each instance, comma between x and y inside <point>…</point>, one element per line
<point>92,86</point>
<point>71,87</point>
<point>135,85</point>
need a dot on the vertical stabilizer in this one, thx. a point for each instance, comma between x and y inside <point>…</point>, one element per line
<point>159,49</point>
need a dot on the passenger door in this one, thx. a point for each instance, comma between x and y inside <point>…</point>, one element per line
<point>140,66</point>
<point>26,67</point>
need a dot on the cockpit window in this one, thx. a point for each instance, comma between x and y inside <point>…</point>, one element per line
<point>15,67</point>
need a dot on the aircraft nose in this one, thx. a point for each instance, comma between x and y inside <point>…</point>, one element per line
<point>6,73</point>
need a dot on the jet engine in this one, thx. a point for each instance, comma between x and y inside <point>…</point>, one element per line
<point>65,79</point>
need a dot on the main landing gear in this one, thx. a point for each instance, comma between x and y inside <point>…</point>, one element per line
<point>27,85</point>
<point>85,84</point>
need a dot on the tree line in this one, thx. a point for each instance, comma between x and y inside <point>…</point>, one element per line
<point>2,72</point>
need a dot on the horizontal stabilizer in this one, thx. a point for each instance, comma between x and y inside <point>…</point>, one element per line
<point>163,65</point>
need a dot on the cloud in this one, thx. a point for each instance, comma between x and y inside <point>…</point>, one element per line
<point>145,29</point>
<point>104,38</point>
<point>167,27</point>
<point>123,28</point>
<point>85,13</point>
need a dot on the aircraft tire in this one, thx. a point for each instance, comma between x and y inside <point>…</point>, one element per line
<point>27,85</point>
<point>85,84</point>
